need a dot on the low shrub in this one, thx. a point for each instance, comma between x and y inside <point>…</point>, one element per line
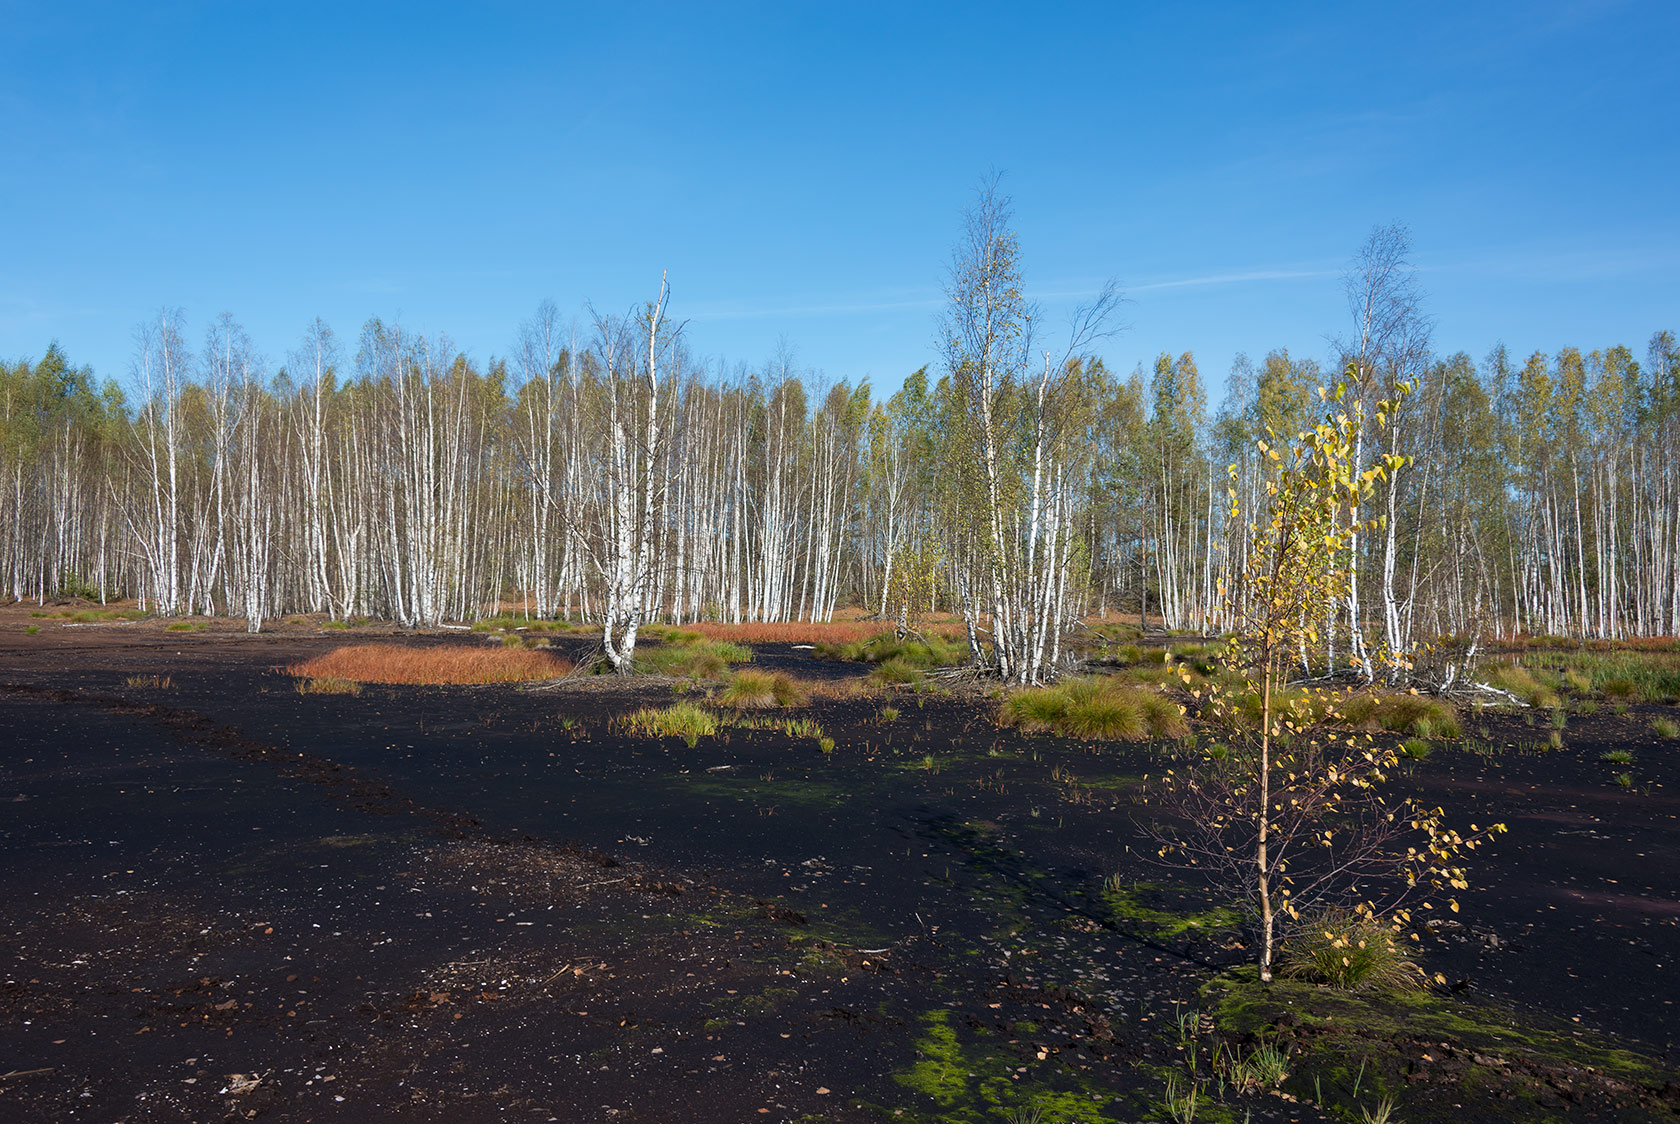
<point>1340,949</point>
<point>1094,709</point>
<point>752,688</point>
<point>431,665</point>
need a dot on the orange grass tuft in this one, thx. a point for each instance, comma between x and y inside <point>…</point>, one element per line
<point>437,664</point>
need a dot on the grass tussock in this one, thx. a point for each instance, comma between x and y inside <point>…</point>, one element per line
<point>894,671</point>
<point>153,682</point>
<point>1535,690</point>
<point>932,650</point>
<point>683,720</point>
<point>433,665</point>
<point>328,686</point>
<point>688,655</point>
<point>1665,728</point>
<point>751,688</point>
<point>1342,950</point>
<point>1094,710</point>
<point>1416,715</point>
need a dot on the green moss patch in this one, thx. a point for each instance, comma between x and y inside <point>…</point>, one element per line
<point>1429,1053</point>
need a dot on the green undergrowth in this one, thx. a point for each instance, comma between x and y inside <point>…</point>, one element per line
<point>688,655</point>
<point>1417,716</point>
<point>1163,913</point>
<point>1094,710</point>
<point>683,720</point>
<point>1428,1052</point>
<point>1545,678</point>
<point>909,653</point>
<point>750,688</point>
<point>976,1082</point>
<point>691,722</point>
<point>90,616</point>
<point>1342,950</point>
<point>779,792</point>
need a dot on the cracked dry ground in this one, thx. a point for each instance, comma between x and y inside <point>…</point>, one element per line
<point>226,900</point>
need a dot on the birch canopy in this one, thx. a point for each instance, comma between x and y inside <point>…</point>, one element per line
<point>1021,485</point>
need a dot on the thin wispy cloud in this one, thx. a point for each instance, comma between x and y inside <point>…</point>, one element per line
<point>744,309</point>
<point>1240,278</point>
<point>1237,277</point>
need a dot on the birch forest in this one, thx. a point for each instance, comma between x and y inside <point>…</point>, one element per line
<point>600,471</point>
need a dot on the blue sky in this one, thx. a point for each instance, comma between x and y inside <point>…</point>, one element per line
<point>801,169</point>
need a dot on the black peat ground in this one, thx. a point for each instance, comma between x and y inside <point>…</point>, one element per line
<point>224,899</point>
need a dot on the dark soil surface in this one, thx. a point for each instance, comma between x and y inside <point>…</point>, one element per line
<point>224,899</point>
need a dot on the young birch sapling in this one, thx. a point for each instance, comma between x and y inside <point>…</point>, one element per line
<point>1288,814</point>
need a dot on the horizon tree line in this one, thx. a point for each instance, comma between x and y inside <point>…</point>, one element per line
<point>614,477</point>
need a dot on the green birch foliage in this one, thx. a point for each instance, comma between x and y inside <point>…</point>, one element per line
<point>1288,812</point>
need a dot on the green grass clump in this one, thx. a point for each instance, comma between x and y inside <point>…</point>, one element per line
<point>889,713</point>
<point>682,720</point>
<point>1342,950</point>
<point>895,671</point>
<point>1417,715</point>
<point>753,688</point>
<point>1534,689</point>
<point>1094,709</point>
<point>1665,728</point>
<point>32,629</point>
<point>1415,748</point>
<point>688,655</point>
<point>1643,675</point>
<point>1617,757</point>
<point>885,647</point>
